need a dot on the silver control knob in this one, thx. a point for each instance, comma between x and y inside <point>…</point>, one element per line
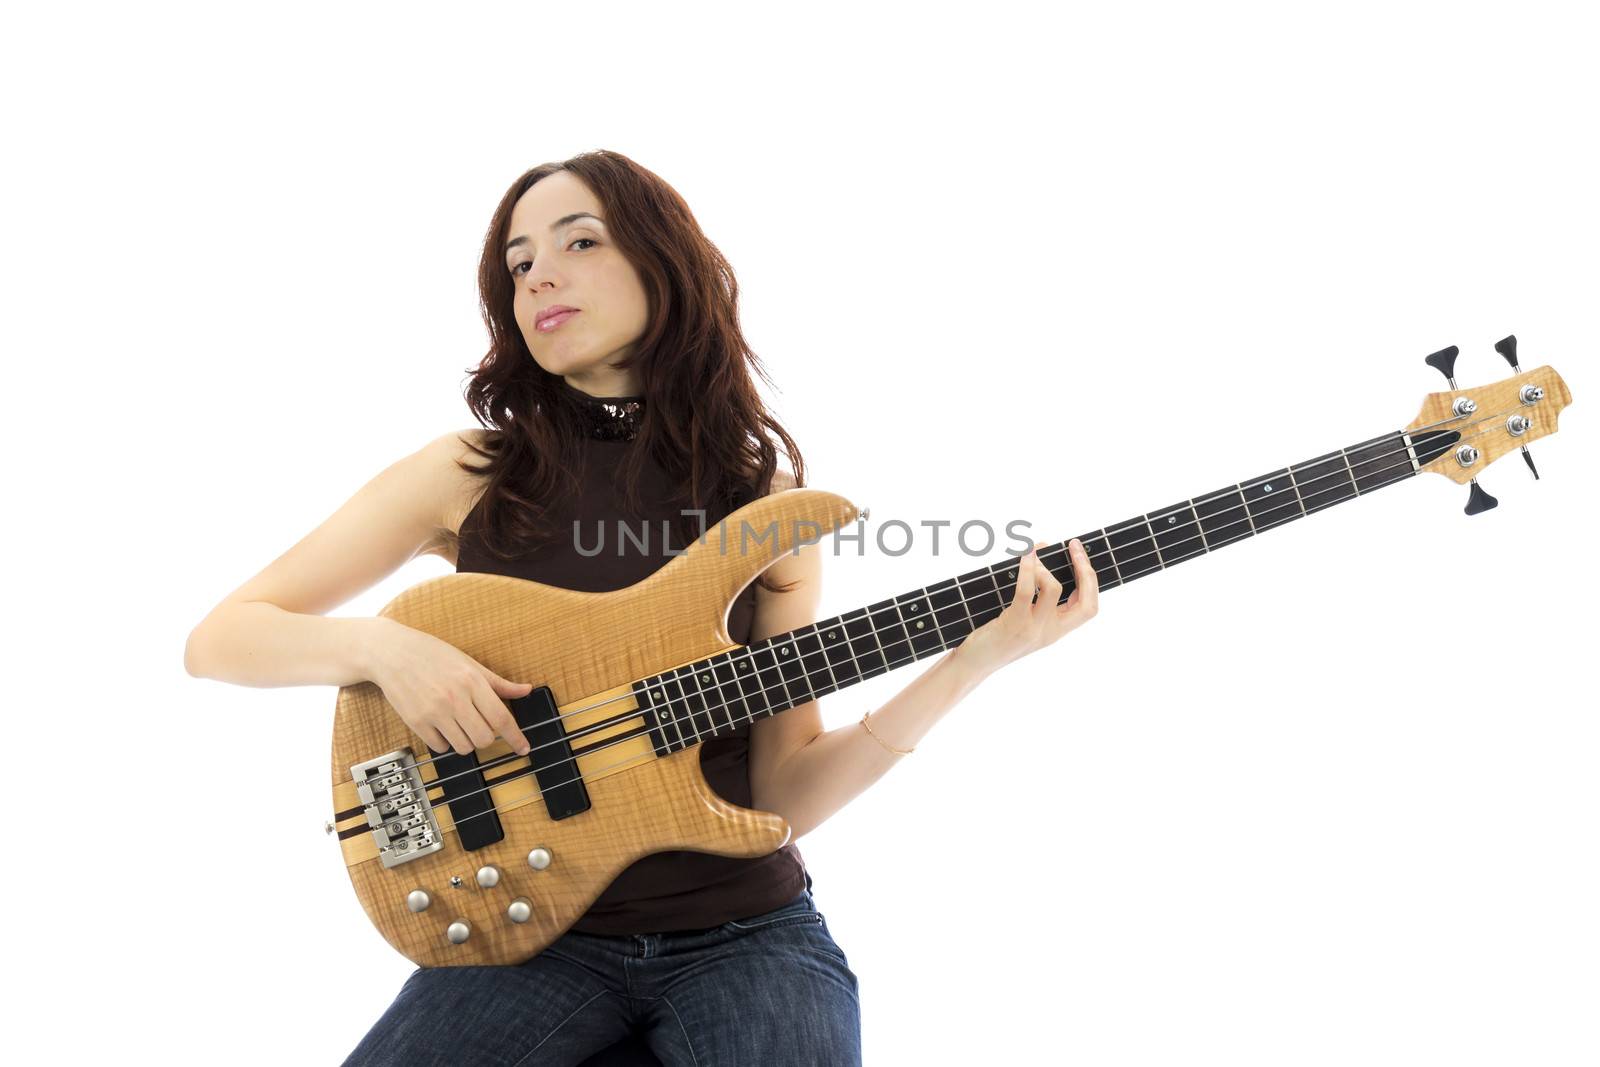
<point>539,859</point>
<point>1466,455</point>
<point>458,931</point>
<point>1464,405</point>
<point>417,900</point>
<point>520,911</point>
<point>1517,425</point>
<point>488,877</point>
<point>1531,394</point>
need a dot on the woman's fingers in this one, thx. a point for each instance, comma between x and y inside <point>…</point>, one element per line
<point>1023,593</point>
<point>1084,602</point>
<point>1049,587</point>
<point>456,738</point>
<point>433,739</point>
<point>499,717</point>
<point>1088,581</point>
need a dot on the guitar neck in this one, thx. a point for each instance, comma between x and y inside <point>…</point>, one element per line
<point>715,696</point>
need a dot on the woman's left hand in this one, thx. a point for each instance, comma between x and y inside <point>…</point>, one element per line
<point>1027,625</point>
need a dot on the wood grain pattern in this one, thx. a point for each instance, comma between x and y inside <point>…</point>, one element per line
<point>1485,429</point>
<point>588,648</point>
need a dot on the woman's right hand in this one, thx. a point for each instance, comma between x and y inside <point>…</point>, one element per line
<point>449,699</point>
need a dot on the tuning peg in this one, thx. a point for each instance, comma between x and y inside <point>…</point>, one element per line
<point>1478,500</point>
<point>1444,361</point>
<point>1507,347</point>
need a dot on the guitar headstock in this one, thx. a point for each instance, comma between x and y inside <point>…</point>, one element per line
<point>1502,417</point>
<point>1465,430</point>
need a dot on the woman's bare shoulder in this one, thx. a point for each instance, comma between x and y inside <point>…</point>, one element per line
<point>458,489</point>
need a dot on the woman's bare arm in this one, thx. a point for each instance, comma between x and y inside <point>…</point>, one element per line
<point>271,631</point>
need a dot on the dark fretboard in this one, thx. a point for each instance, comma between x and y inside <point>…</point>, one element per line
<point>713,697</point>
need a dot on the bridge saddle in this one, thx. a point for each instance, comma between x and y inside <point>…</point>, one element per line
<point>397,807</point>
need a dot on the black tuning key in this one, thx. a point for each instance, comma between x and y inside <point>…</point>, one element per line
<point>1444,361</point>
<point>1507,347</point>
<point>1478,500</point>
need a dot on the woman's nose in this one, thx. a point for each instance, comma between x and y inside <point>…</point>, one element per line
<point>538,278</point>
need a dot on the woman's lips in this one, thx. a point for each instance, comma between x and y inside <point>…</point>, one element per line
<point>553,322</point>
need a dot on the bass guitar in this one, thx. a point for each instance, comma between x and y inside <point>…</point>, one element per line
<point>487,858</point>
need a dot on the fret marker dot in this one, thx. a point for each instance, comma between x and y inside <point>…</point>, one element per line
<point>914,607</point>
<point>785,652</point>
<point>705,677</point>
<point>831,634</point>
<point>920,625</point>
<point>1171,519</point>
<point>1268,488</point>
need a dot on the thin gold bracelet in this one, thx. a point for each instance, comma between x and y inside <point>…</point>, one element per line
<point>881,741</point>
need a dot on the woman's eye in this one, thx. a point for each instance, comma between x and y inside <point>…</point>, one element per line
<point>518,268</point>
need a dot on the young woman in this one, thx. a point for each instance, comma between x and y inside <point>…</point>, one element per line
<point>617,385</point>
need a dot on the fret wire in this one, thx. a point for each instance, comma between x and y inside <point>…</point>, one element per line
<point>688,708</point>
<point>849,650</point>
<point>1245,500</point>
<point>872,628</point>
<point>823,652</point>
<point>693,670</point>
<point>933,616</point>
<point>994,579</point>
<point>1199,525</point>
<point>643,694</point>
<point>961,597</point>
<point>694,722</point>
<point>1007,592</point>
<point>783,675</point>
<point>804,674</point>
<point>744,696</point>
<point>1112,552</point>
<point>784,696</point>
<point>755,675</point>
<point>1153,542</point>
<point>688,670</point>
<point>872,621</point>
<point>938,631</point>
<point>850,639</point>
<point>832,682</point>
<point>722,693</point>
<point>676,723</point>
<point>1289,470</point>
<point>1351,471</point>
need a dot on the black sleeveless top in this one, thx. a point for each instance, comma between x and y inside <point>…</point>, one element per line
<point>667,890</point>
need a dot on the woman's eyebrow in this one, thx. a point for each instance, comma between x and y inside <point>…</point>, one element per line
<point>554,226</point>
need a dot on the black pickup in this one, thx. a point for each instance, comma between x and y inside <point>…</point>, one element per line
<point>553,763</point>
<point>461,778</point>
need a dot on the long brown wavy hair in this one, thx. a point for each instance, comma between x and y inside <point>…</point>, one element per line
<point>703,421</point>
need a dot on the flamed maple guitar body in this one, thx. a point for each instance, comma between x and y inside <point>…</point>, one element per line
<point>587,648</point>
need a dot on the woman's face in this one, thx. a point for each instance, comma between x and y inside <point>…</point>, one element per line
<point>556,259</point>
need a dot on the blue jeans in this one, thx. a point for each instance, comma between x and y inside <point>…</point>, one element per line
<point>773,989</point>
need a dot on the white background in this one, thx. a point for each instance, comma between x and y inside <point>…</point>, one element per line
<point>1327,798</point>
